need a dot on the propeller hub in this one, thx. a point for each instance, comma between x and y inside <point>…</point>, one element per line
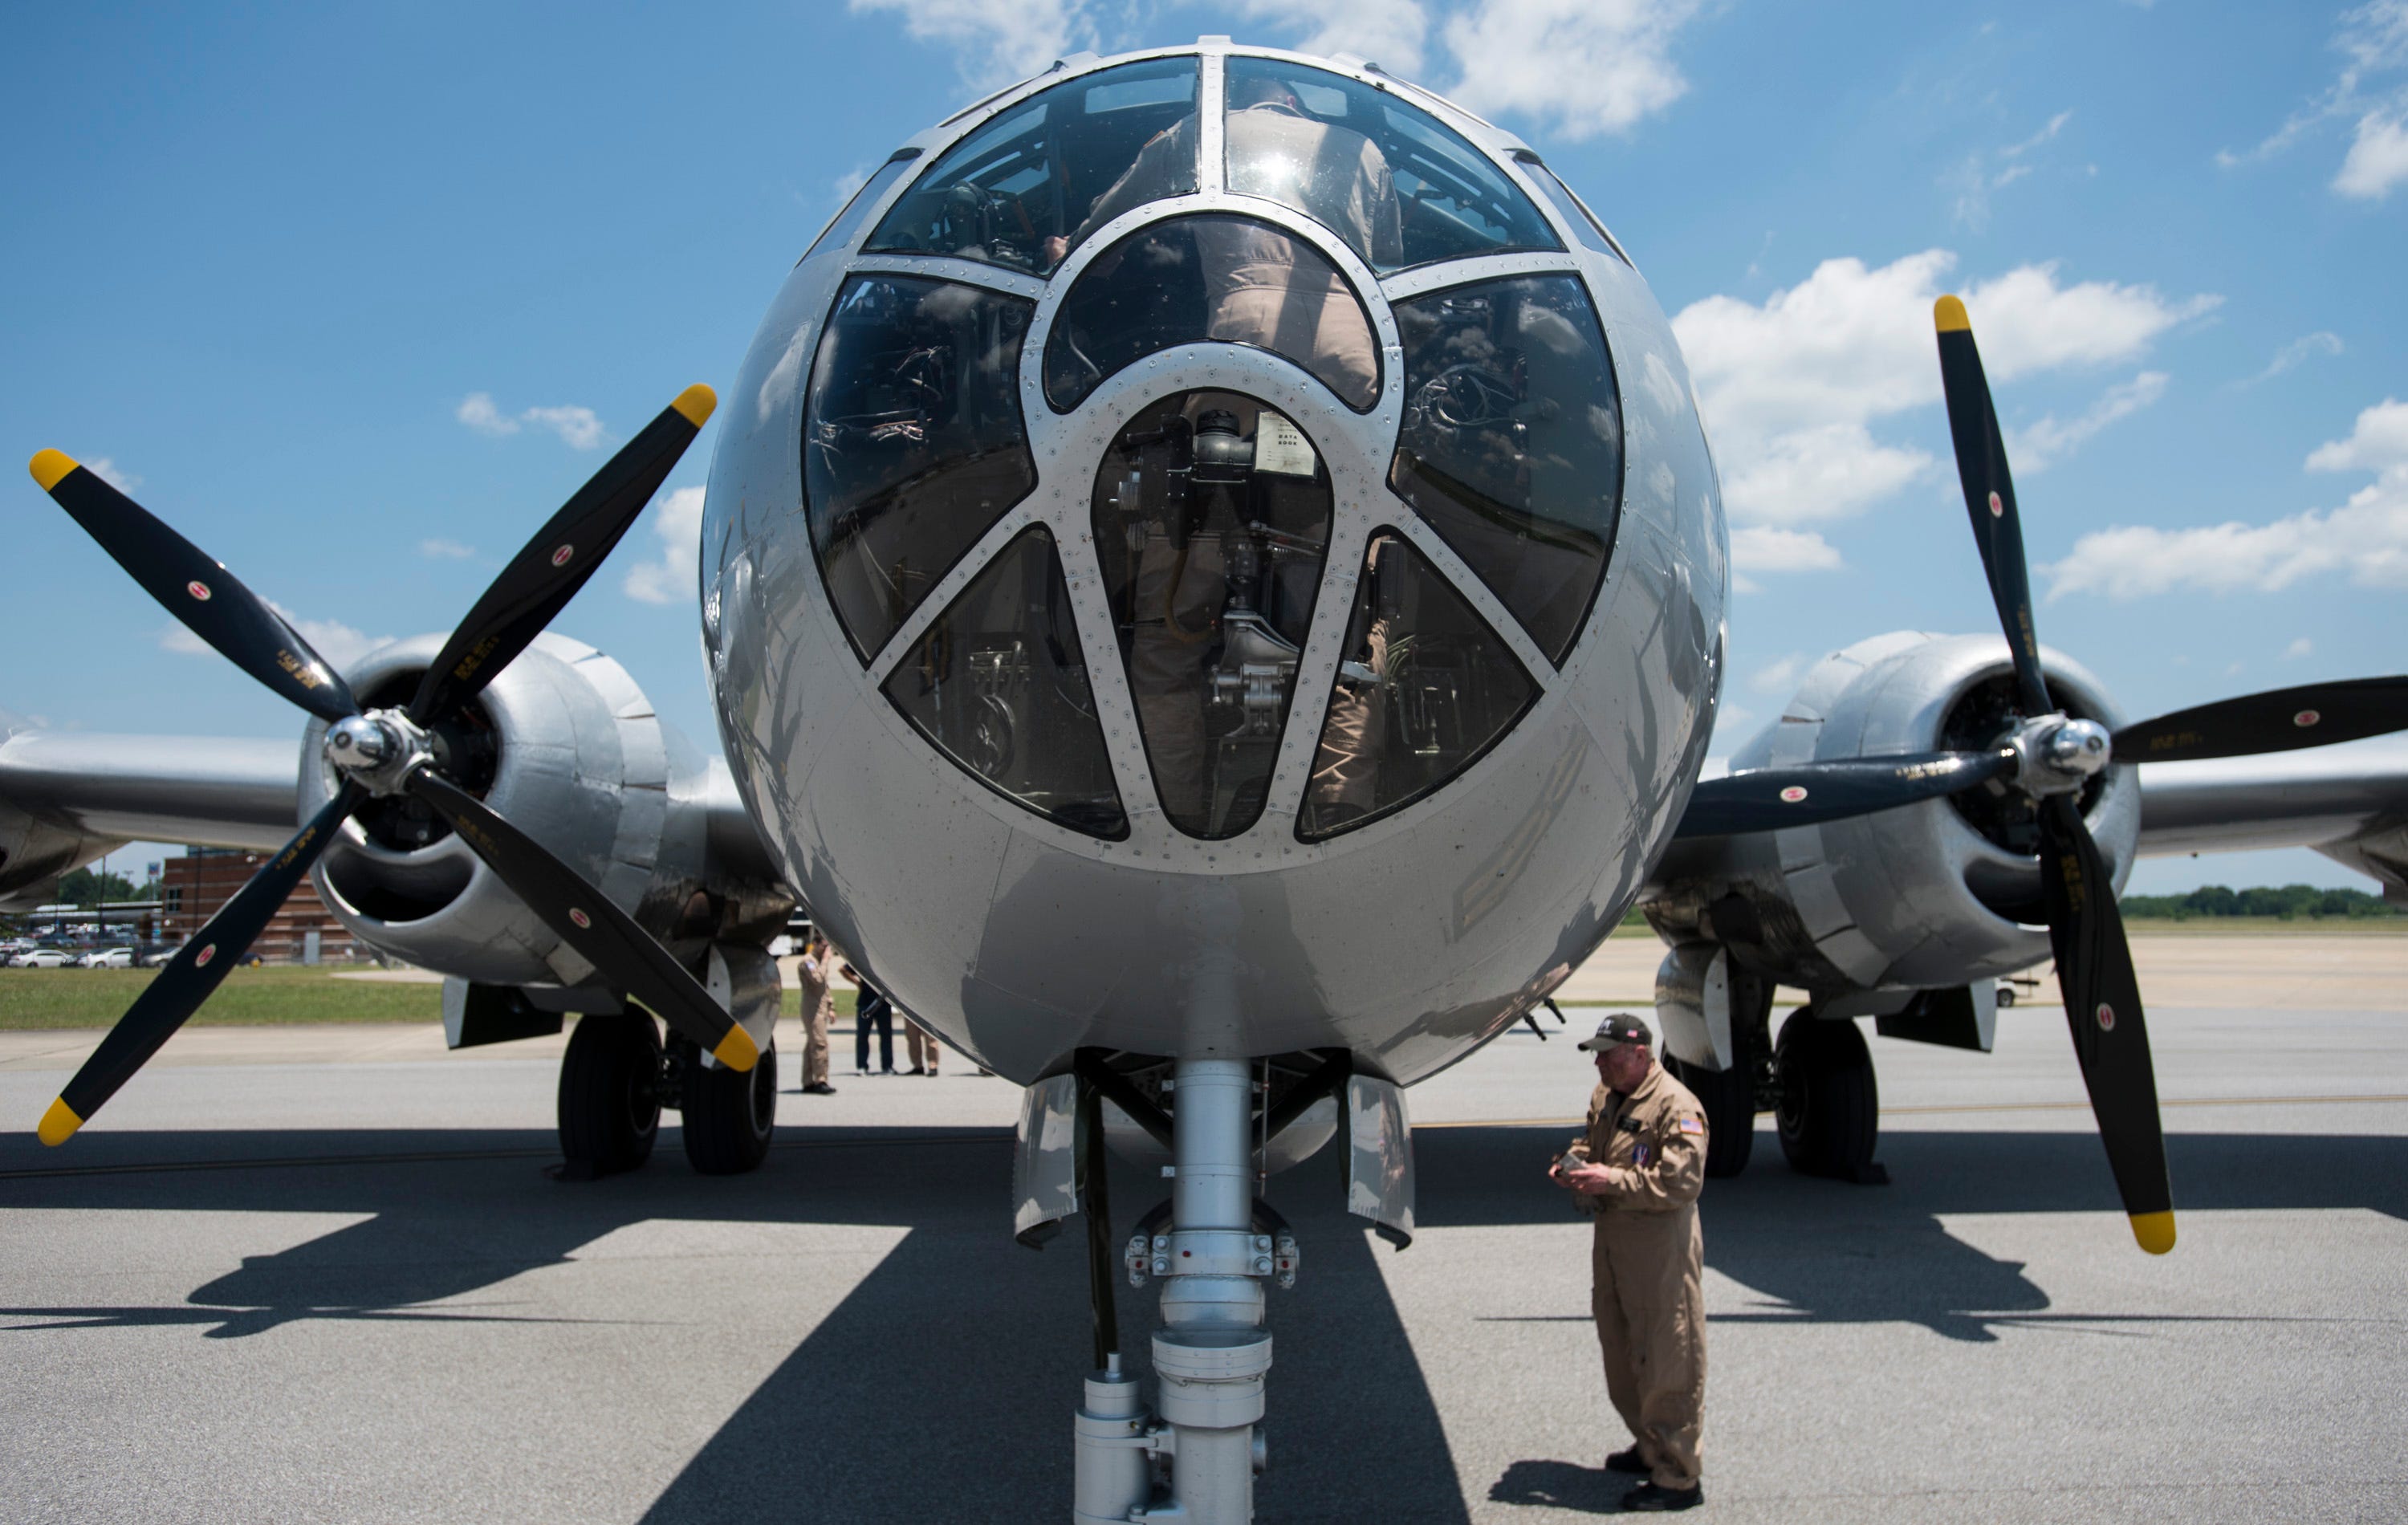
<point>2058,755</point>
<point>378,749</point>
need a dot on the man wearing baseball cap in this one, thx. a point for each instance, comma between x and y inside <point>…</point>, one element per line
<point>1641,1165</point>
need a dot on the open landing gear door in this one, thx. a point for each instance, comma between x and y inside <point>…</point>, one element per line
<point>1380,1158</point>
<point>1045,1170</point>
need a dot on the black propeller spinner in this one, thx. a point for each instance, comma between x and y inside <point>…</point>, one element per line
<point>2050,758</point>
<point>390,751</point>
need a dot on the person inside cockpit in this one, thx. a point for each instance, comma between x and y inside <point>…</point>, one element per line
<point>1257,290</point>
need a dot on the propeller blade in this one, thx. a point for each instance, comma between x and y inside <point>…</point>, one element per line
<point>197,970</point>
<point>551,566</point>
<point>586,920</point>
<point>1771,798</point>
<point>1989,495</point>
<point>212,603</point>
<point>2102,1007</point>
<point>2283,720</point>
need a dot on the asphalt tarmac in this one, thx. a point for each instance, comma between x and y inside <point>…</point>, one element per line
<point>327,1277</point>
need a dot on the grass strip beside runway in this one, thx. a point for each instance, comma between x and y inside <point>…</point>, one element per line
<point>40,999</point>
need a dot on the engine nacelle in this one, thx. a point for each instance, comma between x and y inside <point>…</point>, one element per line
<point>1946,892</point>
<point>565,746</point>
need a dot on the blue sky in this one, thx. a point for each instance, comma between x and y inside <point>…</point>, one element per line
<point>355,295</point>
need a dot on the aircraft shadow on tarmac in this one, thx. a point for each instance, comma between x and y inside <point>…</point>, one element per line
<point>971,1343</point>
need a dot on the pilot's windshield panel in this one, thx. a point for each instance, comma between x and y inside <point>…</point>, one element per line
<point>1400,188</point>
<point>1232,278</point>
<point>1027,188</point>
<point>1211,519</point>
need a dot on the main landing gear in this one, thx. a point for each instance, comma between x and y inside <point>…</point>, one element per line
<point>1817,1081</point>
<point>617,1078</point>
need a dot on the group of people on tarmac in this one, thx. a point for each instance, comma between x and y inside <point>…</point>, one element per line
<point>821,967</point>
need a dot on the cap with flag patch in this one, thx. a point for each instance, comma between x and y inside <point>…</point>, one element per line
<point>1619,1029</point>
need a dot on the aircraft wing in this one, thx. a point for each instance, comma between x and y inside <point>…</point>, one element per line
<point>2349,802</point>
<point>67,797</point>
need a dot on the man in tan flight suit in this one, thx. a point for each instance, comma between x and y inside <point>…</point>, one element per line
<point>817,974</point>
<point>1639,1168</point>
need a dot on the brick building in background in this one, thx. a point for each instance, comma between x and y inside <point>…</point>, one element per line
<point>193,886</point>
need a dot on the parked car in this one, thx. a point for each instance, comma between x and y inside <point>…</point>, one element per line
<point>107,959</point>
<point>39,958</point>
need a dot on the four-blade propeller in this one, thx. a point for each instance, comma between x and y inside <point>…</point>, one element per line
<point>387,752</point>
<point>2050,758</point>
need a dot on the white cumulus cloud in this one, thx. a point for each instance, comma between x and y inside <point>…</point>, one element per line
<point>2378,157</point>
<point>1392,33</point>
<point>1580,68</point>
<point>2298,353</point>
<point>2366,537</point>
<point>478,412</point>
<point>2302,647</point>
<point>997,41</point>
<point>577,427</point>
<point>1792,387</point>
<point>441,550</point>
<point>2037,446</point>
<point>340,644</point>
<point>112,473</point>
<point>2373,44</point>
<point>678,521</point>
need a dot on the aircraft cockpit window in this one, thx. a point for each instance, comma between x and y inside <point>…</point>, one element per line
<point>913,445</point>
<point>1211,520</point>
<point>1232,278</point>
<point>998,683</point>
<point>1027,188</point>
<point>1400,186</point>
<point>847,222</point>
<point>1585,227</point>
<point>1424,688</point>
<point>1512,442</point>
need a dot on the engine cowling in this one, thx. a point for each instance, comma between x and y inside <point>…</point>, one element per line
<point>1946,892</point>
<point>565,745</point>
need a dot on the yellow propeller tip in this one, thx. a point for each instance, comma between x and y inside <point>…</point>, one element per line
<point>49,466</point>
<point>2155,1230</point>
<point>737,1050</point>
<point>695,404</point>
<point>59,1124</point>
<point>1949,313</point>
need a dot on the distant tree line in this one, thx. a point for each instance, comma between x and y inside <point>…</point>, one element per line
<point>87,887</point>
<point>2288,904</point>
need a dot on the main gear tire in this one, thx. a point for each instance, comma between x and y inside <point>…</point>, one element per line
<point>730,1113</point>
<point>609,1093</point>
<point>1728,1096</point>
<point>1829,1111</point>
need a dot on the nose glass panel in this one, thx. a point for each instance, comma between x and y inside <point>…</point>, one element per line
<point>1392,181</point>
<point>998,684</point>
<point>1029,186</point>
<point>912,445</point>
<point>1511,443</point>
<point>1229,278</point>
<point>1211,517</point>
<point>1423,688</point>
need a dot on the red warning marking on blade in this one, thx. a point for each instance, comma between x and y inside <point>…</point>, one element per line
<point>580,917</point>
<point>1793,794</point>
<point>1997,509</point>
<point>201,959</point>
<point>560,557</point>
<point>2106,1017</point>
<point>198,589</point>
<point>2305,718</point>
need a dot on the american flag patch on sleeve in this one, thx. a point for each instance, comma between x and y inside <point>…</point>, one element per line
<point>1693,1125</point>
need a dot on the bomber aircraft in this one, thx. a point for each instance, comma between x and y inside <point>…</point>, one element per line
<point>1213,584</point>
